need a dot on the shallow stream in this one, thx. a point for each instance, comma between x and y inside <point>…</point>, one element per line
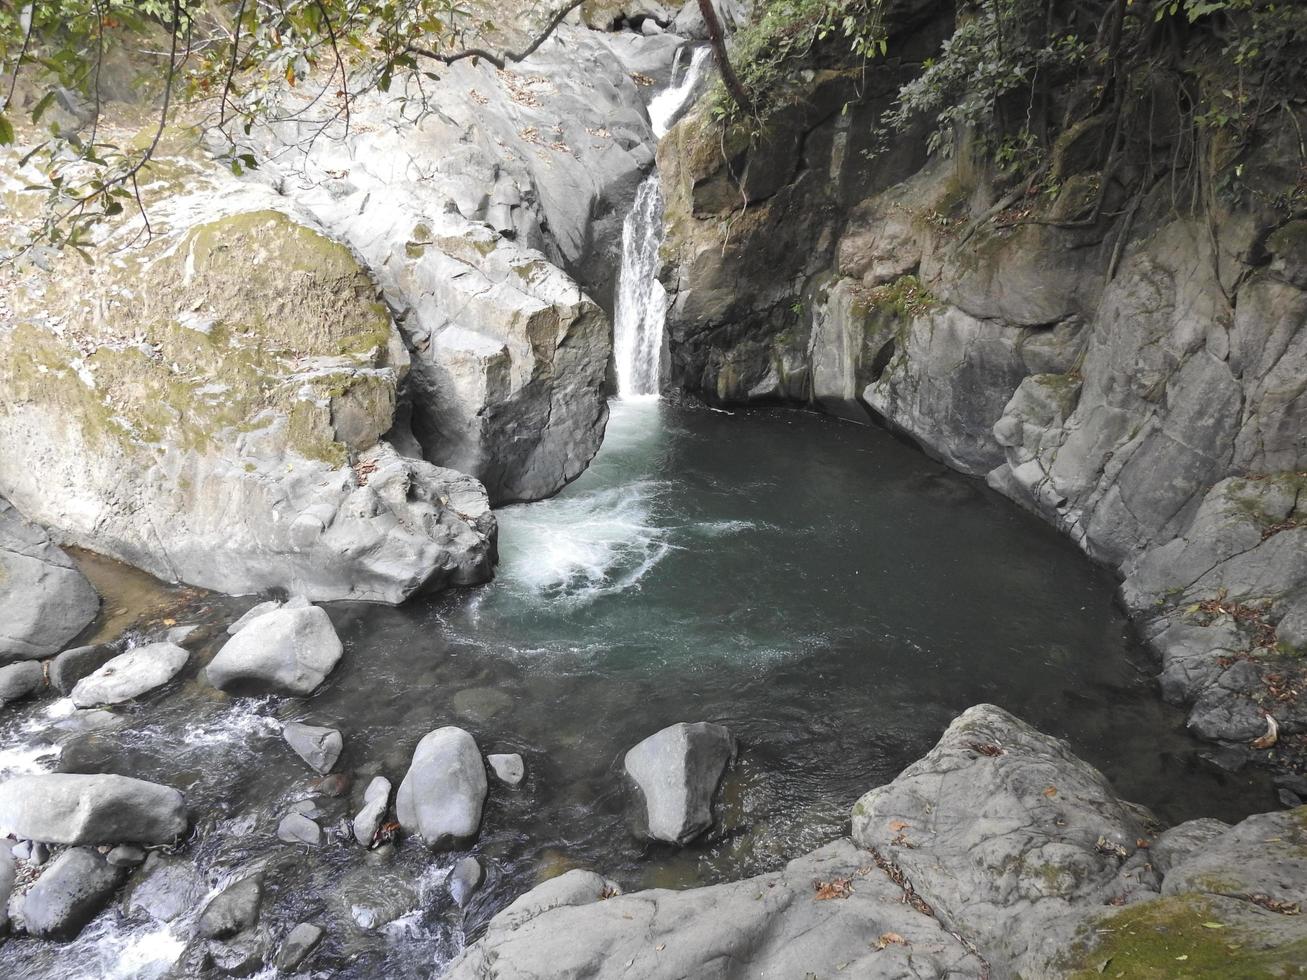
<point>828,593</point>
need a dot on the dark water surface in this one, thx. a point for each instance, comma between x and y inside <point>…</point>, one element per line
<point>828,593</point>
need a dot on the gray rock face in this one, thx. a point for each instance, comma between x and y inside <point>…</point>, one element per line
<point>291,650</point>
<point>508,768</point>
<point>20,680</point>
<point>233,910</point>
<point>72,665</point>
<point>375,800</point>
<point>45,600</point>
<point>1010,837</point>
<point>319,747</point>
<point>69,808</point>
<point>773,923</point>
<point>441,796</point>
<point>1110,379</point>
<point>69,894</point>
<point>298,946</point>
<point>494,257</point>
<point>129,675</point>
<point>677,771</point>
<point>998,854</point>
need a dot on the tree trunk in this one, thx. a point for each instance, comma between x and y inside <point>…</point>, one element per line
<point>718,42</point>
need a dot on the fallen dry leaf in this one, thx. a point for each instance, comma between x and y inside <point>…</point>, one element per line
<point>1272,734</point>
<point>890,939</point>
<point>835,888</point>
<point>1050,791</point>
<point>896,825</point>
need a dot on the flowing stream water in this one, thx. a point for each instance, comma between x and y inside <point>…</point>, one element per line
<point>831,595</point>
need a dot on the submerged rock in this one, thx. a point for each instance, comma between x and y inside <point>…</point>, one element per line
<point>508,768</point>
<point>69,894</point>
<point>129,675</point>
<point>45,601</point>
<point>319,747</point>
<point>441,796</point>
<point>677,771</point>
<point>21,680</point>
<point>291,650</point>
<point>71,808</point>
<point>298,946</point>
<point>233,910</point>
<point>165,887</point>
<point>375,800</point>
<point>464,879</point>
<point>126,855</point>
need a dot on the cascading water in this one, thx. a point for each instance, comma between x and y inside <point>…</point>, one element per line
<point>641,300</point>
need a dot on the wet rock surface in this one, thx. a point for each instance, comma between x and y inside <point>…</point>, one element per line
<point>444,790</point>
<point>130,675</point>
<point>69,894</point>
<point>291,650</point>
<point>233,910</point>
<point>677,771</point>
<point>67,808</point>
<point>319,747</point>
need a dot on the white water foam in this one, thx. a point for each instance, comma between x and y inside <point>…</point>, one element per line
<point>667,104</point>
<point>585,545</point>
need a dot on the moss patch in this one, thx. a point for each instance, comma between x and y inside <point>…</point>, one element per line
<point>1185,936</point>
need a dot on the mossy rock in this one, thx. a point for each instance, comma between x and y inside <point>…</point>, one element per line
<point>1192,937</point>
<point>220,330</point>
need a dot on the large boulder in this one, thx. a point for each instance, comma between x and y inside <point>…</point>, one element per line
<point>677,771</point>
<point>830,913</point>
<point>129,675</point>
<point>444,790</point>
<point>1010,837</point>
<point>225,426</point>
<point>45,600</point>
<point>291,650</point>
<point>71,808</point>
<point>165,888</point>
<point>73,664</point>
<point>69,893</point>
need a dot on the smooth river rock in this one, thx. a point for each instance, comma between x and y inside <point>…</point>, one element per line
<point>677,771</point>
<point>72,665</point>
<point>441,796</point>
<point>508,768</point>
<point>69,894</point>
<point>232,910</point>
<point>45,601</point>
<point>298,946</point>
<point>290,650</point>
<point>375,800</point>
<point>464,879</point>
<point>319,747</point>
<point>21,680</point>
<point>129,675</point>
<point>72,808</point>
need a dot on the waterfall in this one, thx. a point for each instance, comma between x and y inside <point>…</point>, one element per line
<point>641,301</point>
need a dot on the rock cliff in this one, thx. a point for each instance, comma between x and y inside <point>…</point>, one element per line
<point>1111,373</point>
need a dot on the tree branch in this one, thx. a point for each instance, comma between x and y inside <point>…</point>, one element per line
<point>498,60</point>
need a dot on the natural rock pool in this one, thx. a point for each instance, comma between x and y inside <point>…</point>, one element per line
<point>826,592</point>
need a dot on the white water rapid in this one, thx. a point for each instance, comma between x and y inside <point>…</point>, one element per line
<point>641,302</point>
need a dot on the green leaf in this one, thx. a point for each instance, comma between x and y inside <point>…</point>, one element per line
<point>39,110</point>
<point>1213,925</point>
<point>6,131</point>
